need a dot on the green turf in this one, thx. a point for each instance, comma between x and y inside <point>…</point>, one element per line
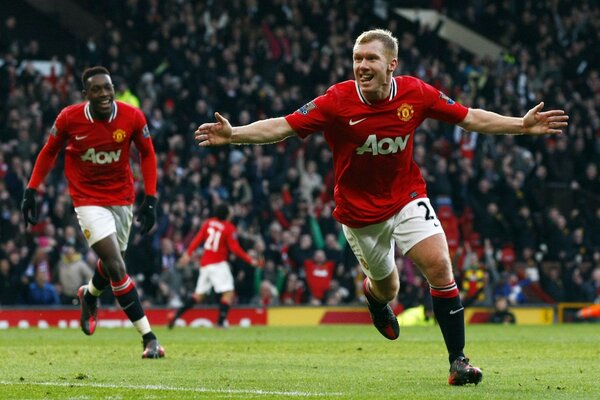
<point>336,362</point>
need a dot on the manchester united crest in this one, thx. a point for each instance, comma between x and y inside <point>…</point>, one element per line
<point>87,233</point>
<point>119,135</point>
<point>405,112</point>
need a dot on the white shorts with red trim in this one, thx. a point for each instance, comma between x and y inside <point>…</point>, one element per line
<point>98,222</point>
<point>374,245</point>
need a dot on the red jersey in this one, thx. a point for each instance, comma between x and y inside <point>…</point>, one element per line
<point>220,238</point>
<point>372,144</point>
<point>97,154</point>
<point>318,277</point>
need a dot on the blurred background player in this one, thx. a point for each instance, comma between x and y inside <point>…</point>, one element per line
<point>97,135</point>
<point>219,236</point>
<point>589,312</point>
<point>380,194</point>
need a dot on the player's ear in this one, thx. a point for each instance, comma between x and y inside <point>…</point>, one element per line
<point>393,64</point>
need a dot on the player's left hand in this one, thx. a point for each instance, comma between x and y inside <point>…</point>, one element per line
<point>214,133</point>
<point>537,122</point>
<point>146,215</point>
<point>29,207</point>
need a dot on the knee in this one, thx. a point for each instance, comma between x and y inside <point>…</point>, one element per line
<point>385,292</point>
<point>115,268</point>
<point>392,292</point>
<point>439,272</point>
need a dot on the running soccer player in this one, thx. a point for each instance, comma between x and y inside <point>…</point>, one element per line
<point>380,195</point>
<point>220,239</point>
<point>97,136</point>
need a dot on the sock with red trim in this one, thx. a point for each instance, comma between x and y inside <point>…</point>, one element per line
<point>97,284</point>
<point>450,315</point>
<point>128,299</point>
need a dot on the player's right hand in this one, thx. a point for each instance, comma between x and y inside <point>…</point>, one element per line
<point>29,207</point>
<point>214,133</point>
<point>147,214</point>
<point>184,259</point>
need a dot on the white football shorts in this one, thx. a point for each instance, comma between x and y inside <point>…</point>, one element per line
<point>217,276</point>
<point>98,222</point>
<point>374,245</point>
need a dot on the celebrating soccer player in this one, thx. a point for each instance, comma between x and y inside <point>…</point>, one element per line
<point>97,136</point>
<point>220,238</point>
<point>380,194</point>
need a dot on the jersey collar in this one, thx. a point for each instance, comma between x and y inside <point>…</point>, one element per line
<point>88,113</point>
<point>393,91</point>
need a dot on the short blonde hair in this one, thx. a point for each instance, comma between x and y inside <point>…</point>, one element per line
<point>389,41</point>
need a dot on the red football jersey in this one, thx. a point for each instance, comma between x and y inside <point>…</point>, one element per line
<point>97,154</point>
<point>372,144</point>
<point>220,238</point>
<point>319,277</point>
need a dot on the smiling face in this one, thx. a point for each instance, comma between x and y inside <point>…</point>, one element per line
<point>373,67</point>
<point>100,92</point>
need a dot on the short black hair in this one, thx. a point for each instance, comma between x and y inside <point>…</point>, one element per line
<point>222,211</point>
<point>89,72</point>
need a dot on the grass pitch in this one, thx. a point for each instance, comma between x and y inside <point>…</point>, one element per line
<point>325,362</point>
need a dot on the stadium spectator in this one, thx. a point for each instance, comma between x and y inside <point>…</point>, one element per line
<point>374,91</point>
<point>171,288</point>
<point>101,187</point>
<point>41,291</point>
<point>267,295</point>
<point>73,272</point>
<point>294,290</point>
<point>592,287</point>
<point>501,314</point>
<point>10,283</point>
<point>319,273</point>
<point>219,237</point>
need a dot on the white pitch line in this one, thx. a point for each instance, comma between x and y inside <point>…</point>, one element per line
<point>176,389</point>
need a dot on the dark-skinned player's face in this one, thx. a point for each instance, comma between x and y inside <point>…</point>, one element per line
<point>100,92</point>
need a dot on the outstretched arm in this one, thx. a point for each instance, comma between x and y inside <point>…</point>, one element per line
<point>535,122</point>
<point>260,132</point>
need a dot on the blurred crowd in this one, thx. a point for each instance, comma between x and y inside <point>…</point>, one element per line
<point>522,214</point>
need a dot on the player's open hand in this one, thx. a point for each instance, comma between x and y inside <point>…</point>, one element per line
<point>538,122</point>
<point>214,133</point>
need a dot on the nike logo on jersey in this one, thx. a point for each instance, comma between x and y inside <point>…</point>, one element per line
<point>452,312</point>
<point>80,137</point>
<point>358,121</point>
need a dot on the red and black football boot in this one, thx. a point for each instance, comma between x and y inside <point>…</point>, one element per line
<point>384,319</point>
<point>462,373</point>
<point>89,312</point>
<point>152,349</point>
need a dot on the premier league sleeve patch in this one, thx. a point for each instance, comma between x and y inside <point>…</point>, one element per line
<point>146,131</point>
<point>53,130</point>
<point>305,109</point>
<point>448,100</point>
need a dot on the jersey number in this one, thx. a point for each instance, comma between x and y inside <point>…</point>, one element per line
<point>214,237</point>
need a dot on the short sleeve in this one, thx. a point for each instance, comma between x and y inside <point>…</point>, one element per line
<point>314,116</point>
<point>442,107</point>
